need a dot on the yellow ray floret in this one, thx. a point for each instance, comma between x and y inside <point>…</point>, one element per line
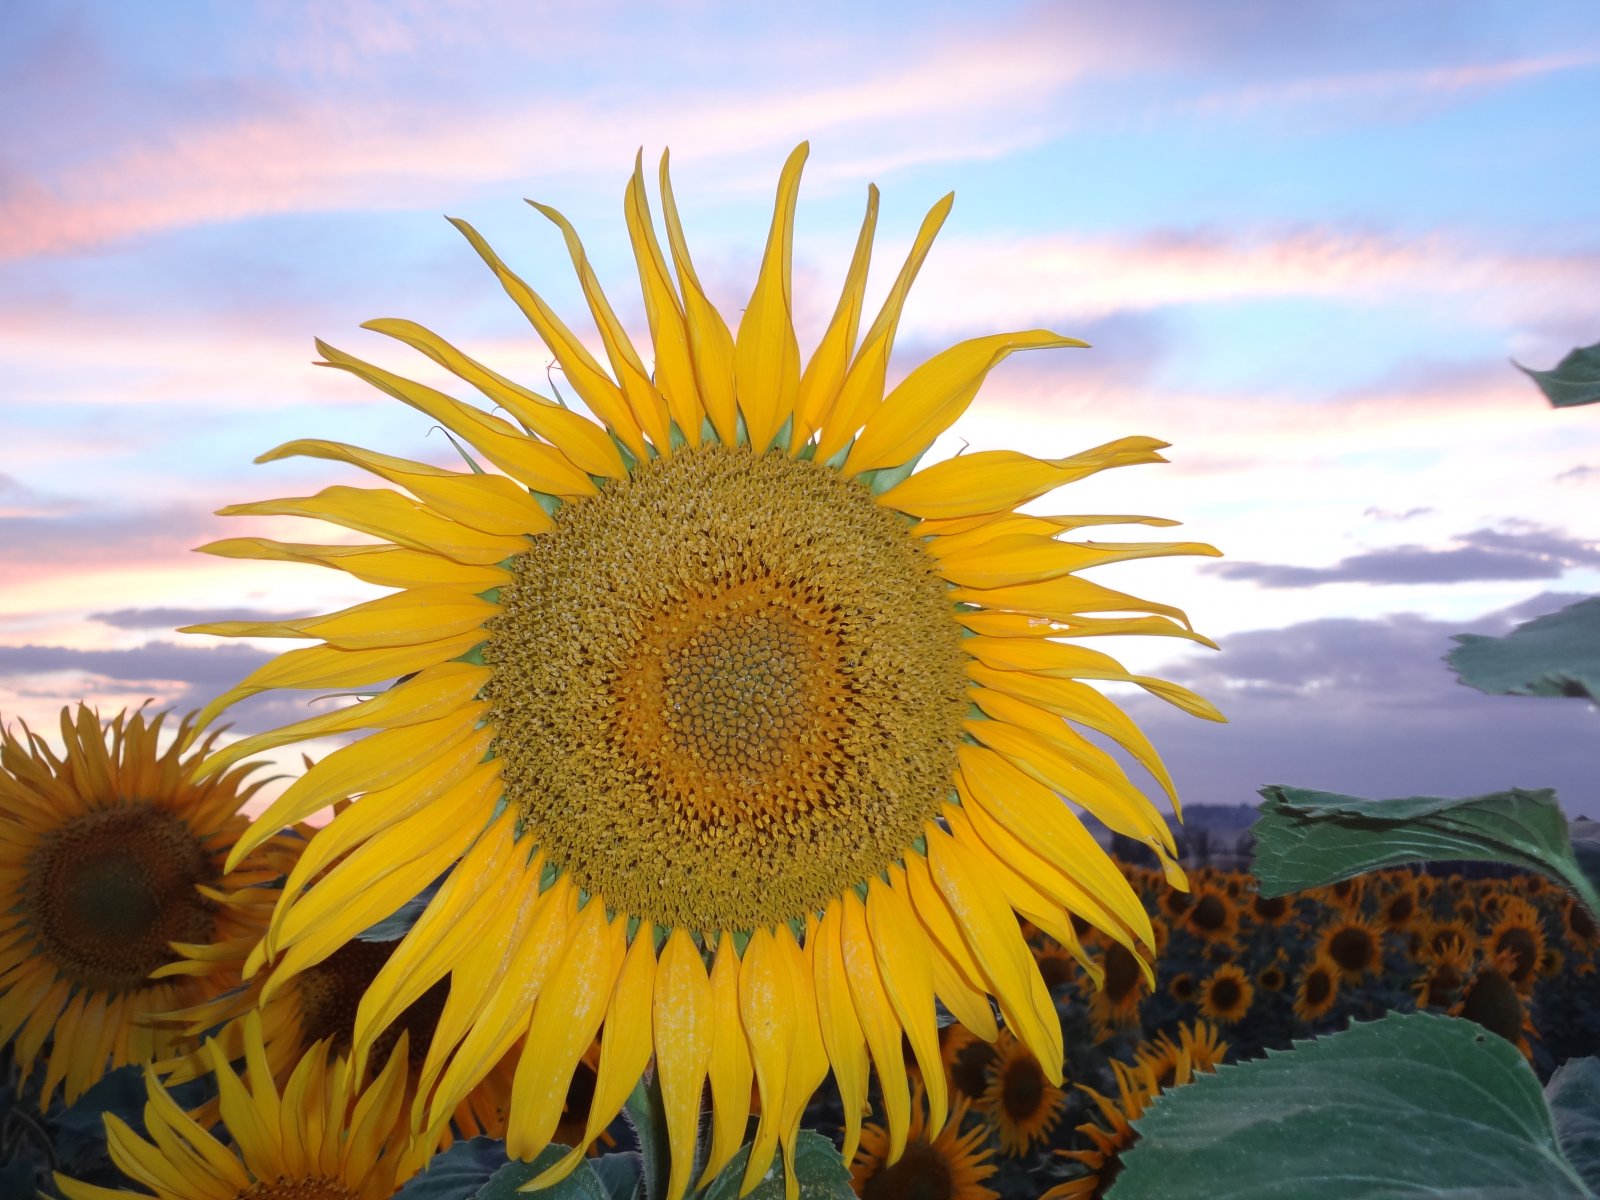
<point>730,738</point>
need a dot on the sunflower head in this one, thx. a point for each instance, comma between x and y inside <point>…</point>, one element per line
<point>1318,989</point>
<point>757,726</point>
<point>115,851</point>
<point>1226,995</point>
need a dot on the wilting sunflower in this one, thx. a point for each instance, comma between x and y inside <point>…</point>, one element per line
<point>1226,995</point>
<point>714,677</point>
<point>318,1138</point>
<point>110,853</point>
<point>1318,989</point>
<point>1020,1101</point>
<point>948,1166</point>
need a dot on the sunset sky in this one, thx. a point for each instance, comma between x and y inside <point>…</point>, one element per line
<point>1304,240</point>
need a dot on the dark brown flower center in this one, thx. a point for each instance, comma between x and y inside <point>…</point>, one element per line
<point>1022,1088</point>
<point>330,992</point>
<point>921,1173</point>
<point>109,889</point>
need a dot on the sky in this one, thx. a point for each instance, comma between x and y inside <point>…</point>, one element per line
<point>1305,242</point>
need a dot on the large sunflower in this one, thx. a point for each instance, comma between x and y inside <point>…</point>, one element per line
<point>110,854</point>
<point>732,734</point>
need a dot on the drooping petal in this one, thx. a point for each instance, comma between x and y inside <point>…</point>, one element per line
<point>841,1029</point>
<point>730,1070</point>
<point>875,1011</point>
<point>681,1021</point>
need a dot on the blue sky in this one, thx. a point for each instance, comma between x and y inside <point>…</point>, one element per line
<point>1304,240</point>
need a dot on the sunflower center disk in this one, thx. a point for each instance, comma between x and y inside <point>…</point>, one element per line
<point>109,889</point>
<point>284,1188</point>
<point>726,689</point>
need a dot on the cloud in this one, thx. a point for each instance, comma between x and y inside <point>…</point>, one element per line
<point>1018,282</point>
<point>1368,708</point>
<point>1384,514</point>
<point>168,618</point>
<point>43,545</point>
<point>1525,552</point>
<point>217,666</point>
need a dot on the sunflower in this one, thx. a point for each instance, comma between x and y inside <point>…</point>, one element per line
<point>1397,908</point>
<point>1115,1004</point>
<point>1226,995</point>
<point>1318,989</point>
<point>1182,987</point>
<point>1020,1101</point>
<point>949,1166</point>
<point>1109,1136</point>
<point>966,1059</point>
<point>1491,998</point>
<point>713,678</point>
<point>1354,945</point>
<point>1581,930</point>
<point>320,1004</point>
<point>1056,964</point>
<point>320,1138</point>
<point>1272,978</point>
<point>1449,937</point>
<point>1271,910</point>
<point>1199,1049</point>
<point>1213,917</point>
<point>1520,935</point>
<point>1448,971</point>
<point>112,853</point>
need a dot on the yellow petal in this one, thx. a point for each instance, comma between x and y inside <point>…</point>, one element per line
<point>312,667</point>
<point>401,619</point>
<point>766,1009</point>
<point>682,1025</point>
<point>730,1069</point>
<point>710,343</point>
<point>490,503</point>
<point>587,444</point>
<point>371,764</point>
<point>825,371</point>
<point>958,980</point>
<point>841,1030</point>
<point>644,402</point>
<point>625,1045</point>
<point>1026,558</point>
<point>674,374</point>
<point>991,931</point>
<point>537,465</point>
<point>565,1019</point>
<point>594,387</point>
<point>875,1011</point>
<point>766,357</point>
<point>433,694</point>
<point>383,564</point>
<point>907,973</point>
<point>934,395</point>
<point>1038,819</point>
<point>862,391</point>
<point>1058,660</point>
<point>389,515</point>
<point>989,481</point>
<point>808,1065</point>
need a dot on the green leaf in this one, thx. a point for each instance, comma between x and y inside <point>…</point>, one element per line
<point>1557,654</point>
<point>621,1173</point>
<point>818,1169</point>
<point>1414,1105</point>
<point>457,1173</point>
<point>647,1117</point>
<point>582,1184</point>
<point>1306,838</point>
<point>1575,380</point>
<point>1573,1095</point>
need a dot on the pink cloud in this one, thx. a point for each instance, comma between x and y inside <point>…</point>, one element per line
<point>1020,282</point>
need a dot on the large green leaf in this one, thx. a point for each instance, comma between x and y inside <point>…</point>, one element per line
<point>1575,379</point>
<point>1573,1095</point>
<point>1557,654</point>
<point>1414,1105</point>
<point>457,1173</point>
<point>507,1183</point>
<point>817,1168</point>
<point>1306,838</point>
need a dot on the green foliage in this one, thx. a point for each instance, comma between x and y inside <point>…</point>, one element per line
<point>478,1169</point>
<point>1575,379</point>
<point>1306,838</point>
<point>1410,1106</point>
<point>508,1181</point>
<point>1557,654</point>
<point>817,1168</point>
<point>1573,1095</point>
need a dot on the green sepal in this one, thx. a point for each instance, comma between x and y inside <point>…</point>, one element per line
<point>881,480</point>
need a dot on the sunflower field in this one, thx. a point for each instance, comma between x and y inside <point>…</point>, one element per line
<point>722,809</point>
